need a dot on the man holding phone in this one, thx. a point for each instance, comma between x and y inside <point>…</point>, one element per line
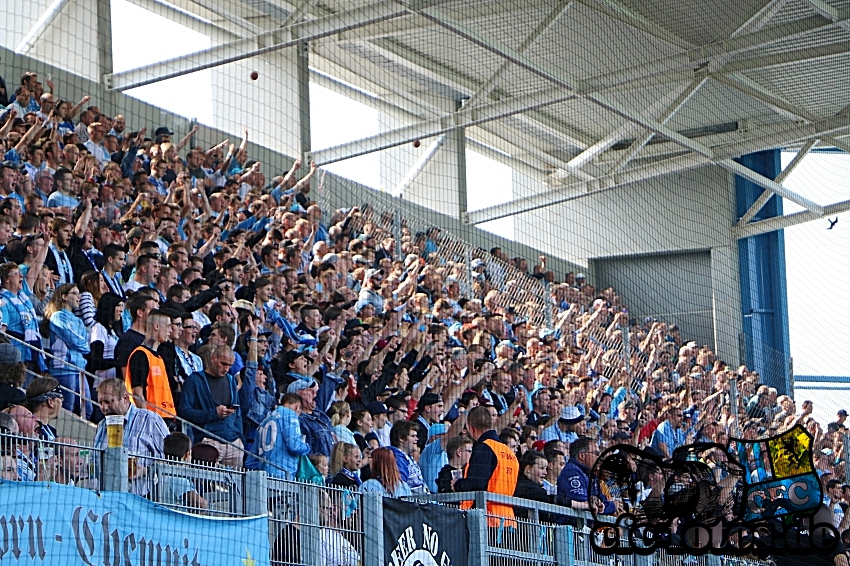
<point>210,400</point>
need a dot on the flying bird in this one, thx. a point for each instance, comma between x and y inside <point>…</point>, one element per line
<point>832,223</point>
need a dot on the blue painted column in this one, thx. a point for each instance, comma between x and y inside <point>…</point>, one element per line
<point>764,296</point>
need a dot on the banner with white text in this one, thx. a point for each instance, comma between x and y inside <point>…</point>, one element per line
<point>45,524</point>
<point>424,535</point>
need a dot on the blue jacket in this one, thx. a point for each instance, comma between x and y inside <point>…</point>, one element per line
<point>255,402</point>
<point>573,486</point>
<point>69,340</point>
<point>279,442</point>
<point>319,431</point>
<point>197,407</point>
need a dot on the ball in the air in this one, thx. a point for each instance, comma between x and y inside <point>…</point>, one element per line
<point>416,143</point>
<point>255,75</point>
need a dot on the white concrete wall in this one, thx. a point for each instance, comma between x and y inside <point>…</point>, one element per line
<point>437,185</point>
<point>267,106</point>
<point>75,52</point>
<point>689,211</point>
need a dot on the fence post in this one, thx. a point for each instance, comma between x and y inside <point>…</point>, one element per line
<point>114,470</point>
<point>564,546</point>
<point>373,529</point>
<point>308,517</point>
<point>255,492</point>
<point>547,305</point>
<point>476,521</point>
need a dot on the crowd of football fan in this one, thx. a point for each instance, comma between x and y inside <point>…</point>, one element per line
<point>322,343</point>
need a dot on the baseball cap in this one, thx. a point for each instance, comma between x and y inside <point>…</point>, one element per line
<point>437,429</point>
<point>842,412</point>
<point>244,305</point>
<point>163,131</point>
<point>9,355</point>
<point>475,264</point>
<point>570,415</point>
<point>378,408</point>
<point>300,384</point>
<point>427,400</point>
<point>233,262</point>
<point>371,273</point>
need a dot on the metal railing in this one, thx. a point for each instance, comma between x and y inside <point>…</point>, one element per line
<point>29,458</point>
<point>194,487</point>
<point>309,524</point>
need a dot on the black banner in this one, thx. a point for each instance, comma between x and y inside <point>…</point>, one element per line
<point>424,535</point>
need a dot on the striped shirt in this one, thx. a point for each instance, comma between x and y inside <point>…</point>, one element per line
<point>144,433</point>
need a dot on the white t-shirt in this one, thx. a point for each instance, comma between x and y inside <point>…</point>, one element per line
<point>109,339</point>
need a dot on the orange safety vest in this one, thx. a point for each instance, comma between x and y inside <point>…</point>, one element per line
<point>157,390</point>
<point>502,481</point>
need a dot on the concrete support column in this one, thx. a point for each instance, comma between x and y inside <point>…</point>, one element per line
<point>726,303</point>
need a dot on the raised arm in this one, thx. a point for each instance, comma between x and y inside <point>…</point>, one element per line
<point>182,143</point>
<point>7,127</point>
<point>35,269</point>
<point>216,146</point>
<point>83,220</point>
<point>73,111</point>
<point>307,177</point>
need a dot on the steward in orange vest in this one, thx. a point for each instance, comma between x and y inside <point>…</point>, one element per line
<point>492,467</point>
<point>155,388</point>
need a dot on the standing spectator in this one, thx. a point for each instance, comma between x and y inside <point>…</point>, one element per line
<point>174,490</point>
<point>69,342</point>
<point>146,375</point>
<point>404,441</point>
<point>458,449</point>
<point>280,443</point>
<point>563,428</point>
<point>492,467</point>
<point>27,461</point>
<point>44,399</point>
<point>210,401</point>
<point>315,424</point>
<point>104,336</point>
<point>574,489</point>
<point>533,467</point>
<point>18,316</point>
<point>346,461</point>
<point>430,409</point>
<point>140,305</point>
<point>669,435</point>
<point>144,431</point>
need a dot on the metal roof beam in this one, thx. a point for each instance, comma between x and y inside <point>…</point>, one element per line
<point>618,11</point>
<point>195,22</point>
<point>750,87</point>
<point>787,57</point>
<point>760,18</point>
<point>229,16</point>
<point>41,25</point>
<point>837,144</point>
<point>770,185</point>
<point>294,34</point>
<point>823,9</point>
<point>771,137</point>
<point>782,222</point>
<point>767,195</point>
<point>496,47</point>
<point>529,146</point>
<point>429,128</point>
<point>663,109</point>
<point>489,85</point>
